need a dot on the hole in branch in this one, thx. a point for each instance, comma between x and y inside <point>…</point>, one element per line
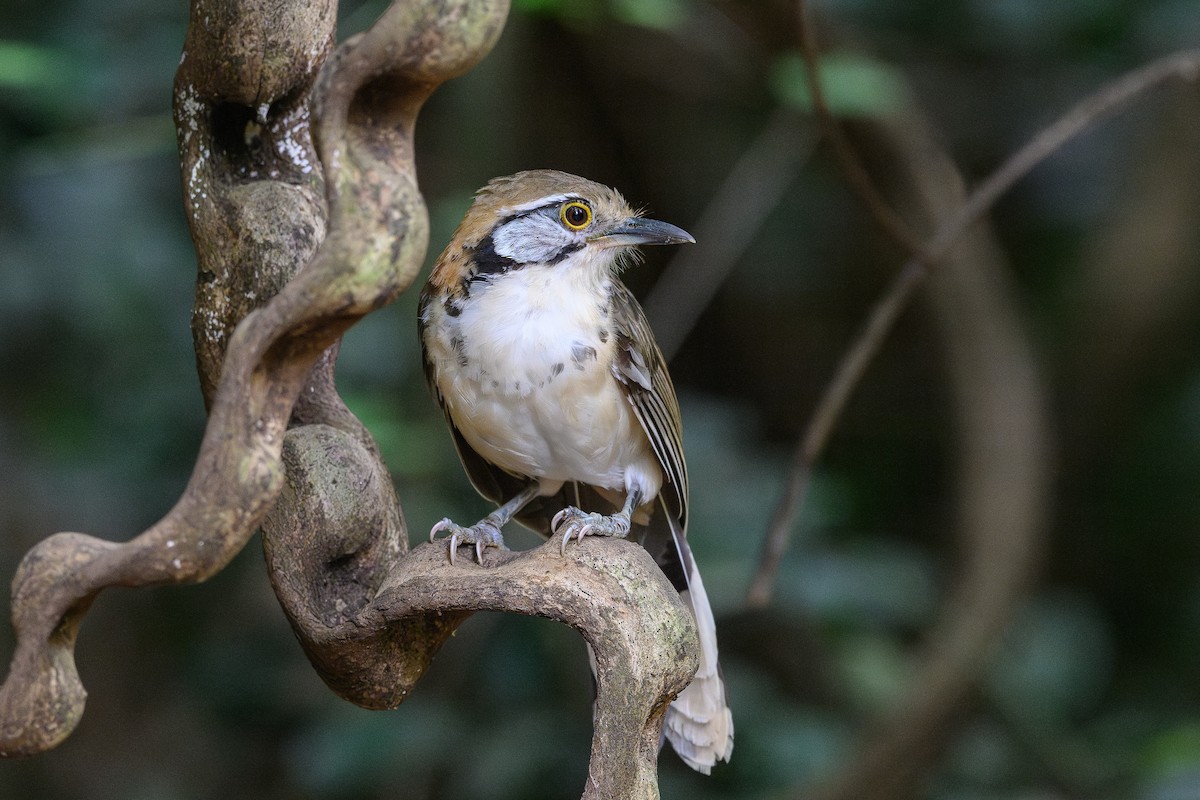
<point>241,134</point>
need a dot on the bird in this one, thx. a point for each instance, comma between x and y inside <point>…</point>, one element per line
<point>558,397</point>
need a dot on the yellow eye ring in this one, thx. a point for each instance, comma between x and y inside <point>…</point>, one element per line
<point>575,215</point>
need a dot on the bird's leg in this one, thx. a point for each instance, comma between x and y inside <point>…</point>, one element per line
<point>571,522</point>
<point>486,532</point>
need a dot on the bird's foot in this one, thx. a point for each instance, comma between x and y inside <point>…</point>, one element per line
<point>571,522</point>
<point>482,534</point>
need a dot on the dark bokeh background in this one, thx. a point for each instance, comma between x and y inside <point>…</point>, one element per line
<point>201,692</point>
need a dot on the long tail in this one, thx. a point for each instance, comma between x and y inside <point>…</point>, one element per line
<point>698,724</point>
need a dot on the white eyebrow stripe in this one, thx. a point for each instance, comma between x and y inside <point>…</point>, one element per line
<point>549,199</point>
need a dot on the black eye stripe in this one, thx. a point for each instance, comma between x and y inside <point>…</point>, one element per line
<point>488,261</point>
<point>566,251</point>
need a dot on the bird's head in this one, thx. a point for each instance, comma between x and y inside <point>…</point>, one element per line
<point>549,218</point>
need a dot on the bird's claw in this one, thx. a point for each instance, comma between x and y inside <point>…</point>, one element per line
<point>482,534</point>
<point>572,522</point>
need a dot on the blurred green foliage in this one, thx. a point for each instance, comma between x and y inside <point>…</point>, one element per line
<point>201,692</point>
<point>854,86</point>
<point>30,67</point>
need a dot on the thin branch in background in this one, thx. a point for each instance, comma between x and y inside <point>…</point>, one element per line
<point>820,427</point>
<point>1184,65</point>
<point>753,188</point>
<point>1111,98</point>
<point>855,173</point>
<point>1003,447</point>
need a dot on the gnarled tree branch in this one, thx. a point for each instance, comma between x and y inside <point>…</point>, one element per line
<point>372,644</point>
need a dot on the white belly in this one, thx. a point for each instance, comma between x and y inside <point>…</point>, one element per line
<point>528,384</point>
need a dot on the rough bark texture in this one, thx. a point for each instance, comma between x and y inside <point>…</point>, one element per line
<point>299,186</point>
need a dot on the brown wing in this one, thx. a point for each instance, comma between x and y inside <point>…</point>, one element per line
<point>642,372</point>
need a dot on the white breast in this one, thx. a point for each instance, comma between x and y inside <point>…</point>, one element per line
<point>526,378</point>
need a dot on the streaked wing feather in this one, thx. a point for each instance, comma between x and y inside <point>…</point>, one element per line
<point>642,372</point>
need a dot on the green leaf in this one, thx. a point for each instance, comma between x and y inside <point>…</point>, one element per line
<point>581,14</point>
<point>873,669</point>
<point>854,85</point>
<point>1057,659</point>
<point>538,6</point>
<point>662,15</point>
<point>28,66</point>
<point>1173,751</point>
<point>658,14</point>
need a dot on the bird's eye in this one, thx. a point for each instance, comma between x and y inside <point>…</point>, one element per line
<point>575,215</point>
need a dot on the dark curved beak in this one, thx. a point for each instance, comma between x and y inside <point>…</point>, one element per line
<point>638,230</point>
